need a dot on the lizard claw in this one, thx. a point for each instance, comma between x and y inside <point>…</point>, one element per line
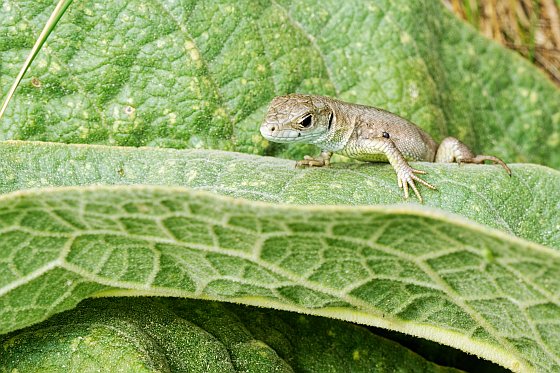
<point>406,178</point>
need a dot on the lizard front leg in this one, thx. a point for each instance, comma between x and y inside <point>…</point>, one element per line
<point>323,160</point>
<point>405,174</point>
<point>453,150</point>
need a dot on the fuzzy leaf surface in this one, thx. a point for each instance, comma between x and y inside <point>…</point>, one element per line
<point>199,336</point>
<point>525,204</point>
<point>407,269</point>
<point>197,74</point>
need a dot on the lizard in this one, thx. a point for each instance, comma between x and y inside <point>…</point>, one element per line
<point>364,133</point>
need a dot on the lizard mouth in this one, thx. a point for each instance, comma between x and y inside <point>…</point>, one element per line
<point>276,134</point>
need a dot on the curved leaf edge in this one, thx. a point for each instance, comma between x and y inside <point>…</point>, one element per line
<point>400,208</point>
<point>446,337</point>
<point>422,330</point>
<point>23,143</point>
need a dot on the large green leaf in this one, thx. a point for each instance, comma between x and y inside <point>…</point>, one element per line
<point>184,335</point>
<point>200,73</point>
<point>525,205</point>
<point>403,268</point>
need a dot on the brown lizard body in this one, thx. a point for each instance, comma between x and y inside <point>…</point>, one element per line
<point>361,132</point>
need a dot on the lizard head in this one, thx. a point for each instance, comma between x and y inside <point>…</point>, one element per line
<point>297,118</point>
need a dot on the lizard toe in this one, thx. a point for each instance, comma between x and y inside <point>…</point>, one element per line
<point>405,187</point>
<point>425,183</point>
<point>311,162</point>
<point>413,186</point>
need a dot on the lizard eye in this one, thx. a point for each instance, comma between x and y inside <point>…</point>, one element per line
<point>306,122</point>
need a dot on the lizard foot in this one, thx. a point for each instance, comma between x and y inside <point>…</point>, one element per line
<point>308,161</point>
<point>406,178</point>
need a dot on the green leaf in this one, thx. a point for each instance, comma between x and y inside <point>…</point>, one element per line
<point>525,204</point>
<point>403,268</point>
<point>200,74</point>
<point>185,335</point>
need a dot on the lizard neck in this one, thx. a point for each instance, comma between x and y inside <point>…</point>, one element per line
<point>337,136</point>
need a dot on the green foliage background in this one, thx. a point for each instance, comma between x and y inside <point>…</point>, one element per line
<point>200,75</point>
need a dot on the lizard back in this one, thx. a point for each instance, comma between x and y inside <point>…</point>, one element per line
<point>367,122</point>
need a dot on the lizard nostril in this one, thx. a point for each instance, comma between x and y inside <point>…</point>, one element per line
<point>272,129</point>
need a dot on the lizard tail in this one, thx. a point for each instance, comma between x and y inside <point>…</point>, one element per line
<point>481,158</point>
